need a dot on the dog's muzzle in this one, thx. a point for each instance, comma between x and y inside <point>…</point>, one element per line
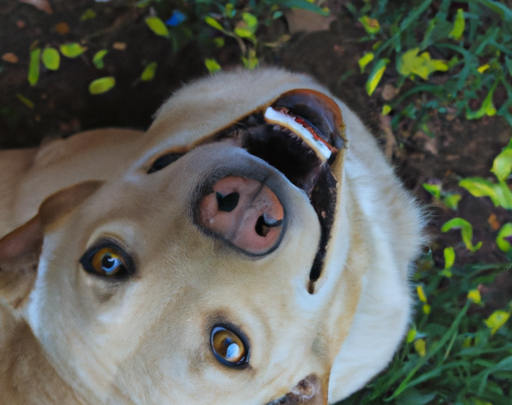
<point>301,135</point>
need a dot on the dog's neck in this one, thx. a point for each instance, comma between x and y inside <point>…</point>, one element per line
<point>26,376</point>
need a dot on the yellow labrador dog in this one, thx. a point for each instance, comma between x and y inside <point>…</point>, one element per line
<point>252,247</point>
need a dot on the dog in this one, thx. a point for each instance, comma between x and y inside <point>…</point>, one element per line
<point>253,246</point>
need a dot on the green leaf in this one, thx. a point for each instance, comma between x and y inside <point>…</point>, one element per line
<point>212,22</point>
<point>371,25</point>
<point>474,296</point>
<point>411,335</point>
<point>452,200</point>
<point>504,195</point>
<point>502,10</point>
<point>422,65</point>
<point>102,85</point>
<point>411,396</point>
<point>88,14</point>
<point>251,21</point>
<point>251,61</point>
<point>499,193</point>
<point>376,75</point>
<point>33,68</point>
<point>367,58</point>
<point>29,103</point>
<point>466,232</point>
<point>143,3</point>
<point>72,50</point>
<point>51,58</point>
<point>98,58</point>
<point>449,257</point>
<point>427,37</point>
<point>149,72</point>
<point>502,165</point>
<point>212,65</point>
<point>434,189</point>
<point>486,109</point>
<point>480,187</point>
<point>243,33</point>
<point>505,232</point>
<point>219,42</point>
<point>508,64</point>
<point>458,25</point>
<point>406,63</point>
<point>497,320</point>
<point>229,10</point>
<point>386,109</point>
<point>157,26</point>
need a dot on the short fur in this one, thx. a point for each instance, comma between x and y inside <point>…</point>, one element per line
<point>68,337</point>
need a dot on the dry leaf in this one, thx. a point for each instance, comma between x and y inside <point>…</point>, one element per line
<point>10,57</point>
<point>493,222</point>
<point>62,28</point>
<point>390,145</point>
<point>42,5</point>
<point>389,92</point>
<point>120,46</point>
<point>307,21</point>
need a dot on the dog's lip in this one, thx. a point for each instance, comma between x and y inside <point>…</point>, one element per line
<point>305,391</point>
<point>310,135</point>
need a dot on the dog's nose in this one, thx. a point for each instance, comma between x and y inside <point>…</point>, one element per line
<point>245,212</point>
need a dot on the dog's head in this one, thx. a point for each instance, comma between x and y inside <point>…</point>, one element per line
<point>215,269</point>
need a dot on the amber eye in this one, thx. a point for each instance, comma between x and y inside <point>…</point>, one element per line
<point>228,347</point>
<point>107,261</point>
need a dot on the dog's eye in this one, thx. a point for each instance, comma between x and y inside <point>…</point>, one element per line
<point>164,161</point>
<point>228,347</point>
<point>107,261</point>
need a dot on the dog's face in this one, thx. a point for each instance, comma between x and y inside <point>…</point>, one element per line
<point>213,270</point>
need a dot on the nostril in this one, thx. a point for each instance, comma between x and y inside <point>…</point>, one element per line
<point>244,212</point>
<point>227,203</point>
<point>265,223</point>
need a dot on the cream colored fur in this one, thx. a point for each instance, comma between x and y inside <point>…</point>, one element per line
<point>74,339</point>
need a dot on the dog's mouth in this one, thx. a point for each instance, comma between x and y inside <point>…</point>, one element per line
<point>301,135</point>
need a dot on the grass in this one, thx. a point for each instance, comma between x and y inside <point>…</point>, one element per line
<point>451,355</point>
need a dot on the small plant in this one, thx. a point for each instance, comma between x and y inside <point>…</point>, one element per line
<point>451,200</point>
<point>453,353</point>
<point>444,57</point>
<point>458,52</point>
<point>212,23</point>
<point>499,193</point>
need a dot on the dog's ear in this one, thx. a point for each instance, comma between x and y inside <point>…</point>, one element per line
<point>20,249</point>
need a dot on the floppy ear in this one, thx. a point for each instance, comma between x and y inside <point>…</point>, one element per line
<point>20,249</point>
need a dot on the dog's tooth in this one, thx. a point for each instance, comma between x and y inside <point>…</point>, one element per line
<point>274,116</point>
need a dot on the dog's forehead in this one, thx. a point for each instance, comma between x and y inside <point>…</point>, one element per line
<point>211,104</point>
